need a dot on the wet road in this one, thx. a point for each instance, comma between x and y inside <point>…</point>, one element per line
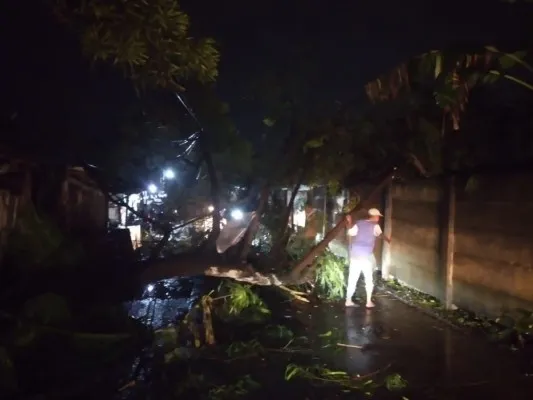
<point>168,300</point>
<point>438,361</point>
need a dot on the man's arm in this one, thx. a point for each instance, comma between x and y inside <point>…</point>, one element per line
<point>379,233</point>
<point>353,230</point>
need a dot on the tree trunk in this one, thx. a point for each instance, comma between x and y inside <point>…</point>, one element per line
<point>215,187</point>
<point>188,265</point>
<point>332,234</point>
<point>284,237</point>
<point>254,224</point>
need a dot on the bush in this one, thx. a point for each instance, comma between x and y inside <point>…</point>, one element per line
<point>330,276</point>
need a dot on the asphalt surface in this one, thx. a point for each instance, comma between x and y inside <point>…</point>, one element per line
<point>438,361</point>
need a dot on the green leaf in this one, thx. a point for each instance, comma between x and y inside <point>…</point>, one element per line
<point>489,78</point>
<point>395,382</point>
<point>270,122</point>
<point>292,371</point>
<point>509,60</point>
<point>315,143</point>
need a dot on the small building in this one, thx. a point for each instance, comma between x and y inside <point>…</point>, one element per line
<point>67,195</point>
<point>83,204</point>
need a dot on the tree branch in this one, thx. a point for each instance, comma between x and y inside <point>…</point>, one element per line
<point>254,224</point>
<point>308,259</point>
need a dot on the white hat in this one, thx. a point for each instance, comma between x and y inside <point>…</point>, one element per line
<point>374,212</point>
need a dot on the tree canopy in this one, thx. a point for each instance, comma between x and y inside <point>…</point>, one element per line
<point>148,40</point>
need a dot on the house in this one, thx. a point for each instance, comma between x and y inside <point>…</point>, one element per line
<point>67,195</point>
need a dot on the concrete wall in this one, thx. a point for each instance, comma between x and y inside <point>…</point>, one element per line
<point>493,246</point>
<point>415,236</point>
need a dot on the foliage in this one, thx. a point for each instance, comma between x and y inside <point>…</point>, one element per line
<point>232,152</point>
<point>148,40</point>
<point>519,323</point>
<point>395,382</point>
<point>324,376</point>
<point>299,245</point>
<point>330,145</point>
<point>243,387</point>
<point>263,239</point>
<point>48,308</point>
<point>143,144</point>
<point>37,241</point>
<point>43,331</point>
<point>243,352</point>
<point>330,276</point>
<point>448,76</point>
<point>458,317</point>
<point>241,302</point>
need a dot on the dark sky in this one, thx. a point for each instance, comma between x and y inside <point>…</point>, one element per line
<point>356,40</point>
<point>53,90</point>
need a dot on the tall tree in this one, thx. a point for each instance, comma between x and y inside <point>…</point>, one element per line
<point>430,91</point>
<point>148,40</point>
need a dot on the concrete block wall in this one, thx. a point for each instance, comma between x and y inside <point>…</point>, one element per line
<point>415,236</point>
<point>494,245</point>
<point>493,268</point>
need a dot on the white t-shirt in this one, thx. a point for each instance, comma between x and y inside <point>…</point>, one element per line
<point>353,230</point>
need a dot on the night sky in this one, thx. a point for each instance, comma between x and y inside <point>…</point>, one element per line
<point>53,90</point>
<point>354,40</point>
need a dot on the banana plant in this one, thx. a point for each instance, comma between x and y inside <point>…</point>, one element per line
<point>450,77</point>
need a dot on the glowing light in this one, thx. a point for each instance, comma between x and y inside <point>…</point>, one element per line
<point>169,174</point>
<point>150,288</point>
<point>237,214</point>
<point>152,188</point>
<point>210,208</point>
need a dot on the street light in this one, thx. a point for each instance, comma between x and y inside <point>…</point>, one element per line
<point>237,214</point>
<point>210,208</point>
<point>169,174</point>
<point>152,188</point>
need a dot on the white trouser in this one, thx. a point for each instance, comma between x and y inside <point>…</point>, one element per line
<point>364,264</point>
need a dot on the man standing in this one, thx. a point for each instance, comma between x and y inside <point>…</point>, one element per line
<point>361,251</point>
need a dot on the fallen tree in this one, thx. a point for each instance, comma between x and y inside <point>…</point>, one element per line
<point>308,259</point>
<point>194,264</point>
<point>298,273</point>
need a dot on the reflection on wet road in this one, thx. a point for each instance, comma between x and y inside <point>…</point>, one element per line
<point>167,301</point>
<point>432,356</point>
<point>438,361</point>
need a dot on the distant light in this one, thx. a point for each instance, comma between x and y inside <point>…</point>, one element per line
<point>150,288</point>
<point>169,174</point>
<point>210,208</point>
<point>237,214</point>
<point>152,188</point>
